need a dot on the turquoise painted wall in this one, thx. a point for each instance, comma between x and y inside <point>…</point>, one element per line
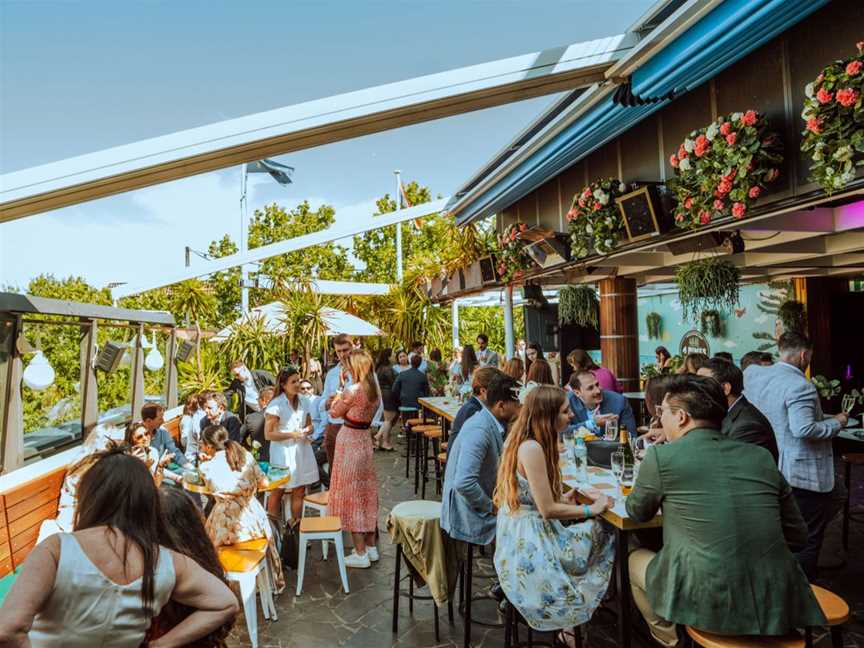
<point>740,324</point>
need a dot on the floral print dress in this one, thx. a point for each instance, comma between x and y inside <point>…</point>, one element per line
<point>555,575</point>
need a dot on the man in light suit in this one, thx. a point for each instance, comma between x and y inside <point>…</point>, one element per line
<point>467,513</point>
<point>791,403</point>
<point>486,356</point>
<point>593,406</point>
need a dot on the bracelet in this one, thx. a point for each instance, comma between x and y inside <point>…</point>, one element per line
<point>587,511</point>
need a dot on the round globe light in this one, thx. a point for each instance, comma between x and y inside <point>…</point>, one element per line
<point>154,360</point>
<point>39,374</point>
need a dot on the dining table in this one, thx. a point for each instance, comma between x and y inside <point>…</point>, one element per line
<point>279,480</point>
<point>604,481</point>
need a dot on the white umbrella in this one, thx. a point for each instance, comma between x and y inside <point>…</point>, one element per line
<point>273,314</point>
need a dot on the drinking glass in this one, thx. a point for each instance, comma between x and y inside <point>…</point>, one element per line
<point>569,437</point>
<point>617,459</point>
<point>848,403</point>
<point>628,475</point>
<point>611,430</point>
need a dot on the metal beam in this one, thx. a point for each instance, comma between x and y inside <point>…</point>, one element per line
<point>305,125</point>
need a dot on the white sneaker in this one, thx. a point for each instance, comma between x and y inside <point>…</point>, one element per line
<point>357,561</point>
<point>372,552</point>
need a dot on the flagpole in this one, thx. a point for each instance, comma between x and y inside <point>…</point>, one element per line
<point>244,289</point>
<point>398,228</point>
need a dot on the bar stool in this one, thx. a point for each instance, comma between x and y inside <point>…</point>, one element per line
<point>849,459</point>
<point>419,437</point>
<point>318,502</point>
<point>245,563</point>
<point>407,425</point>
<point>440,468</point>
<point>511,631</point>
<point>466,594</point>
<point>431,434</point>
<point>710,640</point>
<point>321,528</point>
<point>836,612</point>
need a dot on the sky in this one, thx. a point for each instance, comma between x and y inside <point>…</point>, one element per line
<point>78,77</point>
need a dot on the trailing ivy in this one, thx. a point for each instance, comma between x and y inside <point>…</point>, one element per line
<point>707,284</point>
<point>578,305</point>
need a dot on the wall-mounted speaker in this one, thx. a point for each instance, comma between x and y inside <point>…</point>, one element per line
<point>185,350</point>
<point>109,356</point>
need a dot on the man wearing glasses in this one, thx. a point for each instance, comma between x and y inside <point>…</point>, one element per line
<point>319,424</point>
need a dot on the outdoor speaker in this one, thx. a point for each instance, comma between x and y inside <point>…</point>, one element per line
<point>550,251</point>
<point>110,356</point>
<point>184,351</point>
<point>533,295</point>
<point>488,270</point>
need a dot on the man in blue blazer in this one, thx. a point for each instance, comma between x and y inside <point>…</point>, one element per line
<point>467,513</point>
<point>593,406</point>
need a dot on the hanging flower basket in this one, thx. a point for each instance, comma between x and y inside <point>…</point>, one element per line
<point>594,220</point>
<point>707,284</point>
<point>513,260</point>
<point>578,305</point>
<point>654,324</point>
<point>722,169</point>
<point>833,111</point>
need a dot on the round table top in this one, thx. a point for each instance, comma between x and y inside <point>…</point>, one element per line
<point>202,489</point>
<point>424,509</point>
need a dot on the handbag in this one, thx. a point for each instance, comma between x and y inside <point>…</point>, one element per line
<point>290,546</point>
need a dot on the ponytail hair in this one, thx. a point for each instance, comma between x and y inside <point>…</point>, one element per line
<point>217,437</point>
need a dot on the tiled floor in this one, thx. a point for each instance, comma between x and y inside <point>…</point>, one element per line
<point>324,616</point>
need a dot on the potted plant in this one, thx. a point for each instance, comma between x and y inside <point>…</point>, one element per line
<point>722,169</point>
<point>792,316</point>
<point>711,323</point>
<point>828,390</point>
<point>594,220</point>
<point>710,283</point>
<point>833,112</point>
<point>513,260</point>
<point>654,323</point>
<point>578,305</point>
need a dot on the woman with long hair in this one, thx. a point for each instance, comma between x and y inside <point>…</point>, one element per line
<point>693,362</point>
<point>288,428</point>
<point>579,360</point>
<point>540,373</point>
<point>137,439</point>
<point>533,352</point>
<point>403,362</point>
<point>183,532</point>
<point>102,584</point>
<point>555,575</point>
<point>386,377</point>
<point>467,364</point>
<point>662,357</point>
<point>353,479</point>
<point>231,473</point>
<point>515,368</point>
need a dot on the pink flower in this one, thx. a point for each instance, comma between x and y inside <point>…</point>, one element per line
<point>738,210</point>
<point>724,187</point>
<point>731,138</point>
<point>814,125</point>
<point>673,160</point>
<point>824,96</point>
<point>513,235</point>
<point>704,217</point>
<point>701,150</point>
<point>754,192</point>
<point>701,141</point>
<point>581,202</point>
<point>597,206</point>
<point>719,205</point>
<point>726,128</point>
<point>854,68</point>
<point>570,215</point>
<point>847,97</point>
<point>749,118</point>
<point>682,153</point>
<point>688,204</point>
<point>772,175</point>
<point>679,217</point>
<point>587,192</point>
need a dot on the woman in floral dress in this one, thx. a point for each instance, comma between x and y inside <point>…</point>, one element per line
<point>353,479</point>
<point>233,476</point>
<point>555,575</point>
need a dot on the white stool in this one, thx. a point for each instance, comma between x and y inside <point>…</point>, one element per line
<point>318,502</point>
<point>321,528</point>
<point>246,564</point>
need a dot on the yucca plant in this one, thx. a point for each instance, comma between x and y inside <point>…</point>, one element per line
<point>253,343</point>
<point>192,299</point>
<point>202,376</point>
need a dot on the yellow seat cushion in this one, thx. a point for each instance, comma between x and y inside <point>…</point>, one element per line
<point>327,524</point>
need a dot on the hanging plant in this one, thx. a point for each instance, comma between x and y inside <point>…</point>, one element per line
<point>654,323</point>
<point>834,136</point>
<point>707,284</point>
<point>578,305</point>
<point>792,316</point>
<point>722,169</point>
<point>513,260</point>
<point>711,323</point>
<point>594,220</point>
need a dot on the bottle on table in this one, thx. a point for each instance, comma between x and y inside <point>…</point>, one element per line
<point>628,461</point>
<point>580,461</point>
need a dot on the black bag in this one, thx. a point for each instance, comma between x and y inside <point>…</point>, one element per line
<point>290,546</point>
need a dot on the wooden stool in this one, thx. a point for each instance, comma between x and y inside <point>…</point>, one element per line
<point>849,459</point>
<point>433,434</point>
<point>246,563</point>
<point>444,445</point>
<point>836,611</point>
<point>408,423</point>
<point>321,528</point>
<point>710,640</point>
<point>417,434</point>
<point>318,502</point>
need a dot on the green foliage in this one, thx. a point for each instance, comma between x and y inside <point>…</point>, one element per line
<point>225,286</point>
<point>654,323</point>
<point>578,305</point>
<point>827,388</point>
<point>770,303</point>
<point>711,323</point>
<point>705,284</point>
<point>594,220</point>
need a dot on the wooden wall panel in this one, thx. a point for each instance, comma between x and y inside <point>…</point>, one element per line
<point>526,209</point>
<point>547,199</point>
<point>619,330</point>
<point>690,111</point>
<point>639,157</point>
<point>603,163</point>
<point>572,182</point>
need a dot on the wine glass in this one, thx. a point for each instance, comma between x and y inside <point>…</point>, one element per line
<point>611,430</point>
<point>617,464</point>
<point>848,403</point>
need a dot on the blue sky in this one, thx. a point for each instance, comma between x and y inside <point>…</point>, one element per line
<point>77,77</point>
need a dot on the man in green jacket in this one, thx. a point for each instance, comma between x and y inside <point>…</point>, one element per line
<point>728,518</point>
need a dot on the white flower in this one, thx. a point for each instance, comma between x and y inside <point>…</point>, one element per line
<point>601,196</point>
<point>608,243</point>
<point>256,445</point>
<point>734,117</point>
<point>609,222</point>
<point>684,164</point>
<point>712,132</point>
<point>621,187</point>
<point>689,145</point>
<point>843,153</point>
<point>808,89</point>
<point>589,229</point>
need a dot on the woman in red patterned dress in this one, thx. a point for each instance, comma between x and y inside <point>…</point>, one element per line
<point>353,480</point>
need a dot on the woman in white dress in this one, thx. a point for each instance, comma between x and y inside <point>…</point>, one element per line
<point>288,428</point>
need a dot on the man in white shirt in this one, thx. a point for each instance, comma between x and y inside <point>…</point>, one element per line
<point>247,383</point>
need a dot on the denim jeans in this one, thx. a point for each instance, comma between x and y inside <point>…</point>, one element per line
<point>817,509</point>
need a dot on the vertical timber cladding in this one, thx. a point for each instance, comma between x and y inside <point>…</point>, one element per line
<point>619,330</point>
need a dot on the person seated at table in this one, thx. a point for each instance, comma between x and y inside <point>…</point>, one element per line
<point>743,421</point>
<point>233,477</point>
<point>138,441</point>
<point>515,368</point>
<point>692,363</point>
<point>728,520</point>
<point>102,584</point>
<point>593,407</point>
<point>253,427</point>
<point>187,422</point>
<point>555,575</point>
<point>756,357</point>
<point>183,532</point>
<point>153,416</point>
<point>289,430</point>
<point>410,386</point>
<point>467,512</point>
<point>540,373</point>
<point>216,413</point>
<point>580,360</point>
<point>655,390</point>
<point>662,357</point>
<point>482,378</point>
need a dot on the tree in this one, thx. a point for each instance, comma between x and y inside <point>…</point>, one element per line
<point>225,285</point>
<point>194,300</point>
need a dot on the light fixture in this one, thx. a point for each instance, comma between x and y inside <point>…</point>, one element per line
<point>39,373</point>
<point>154,360</point>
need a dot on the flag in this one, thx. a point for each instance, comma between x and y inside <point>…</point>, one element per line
<point>281,173</point>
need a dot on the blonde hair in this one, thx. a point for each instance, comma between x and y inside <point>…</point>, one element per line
<point>537,420</point>
<point>363,372</point>
<point>515,368</point>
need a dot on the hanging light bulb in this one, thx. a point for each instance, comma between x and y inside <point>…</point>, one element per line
<point>126,361</point>
<point>154,360</point>
<point>39,374</point>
